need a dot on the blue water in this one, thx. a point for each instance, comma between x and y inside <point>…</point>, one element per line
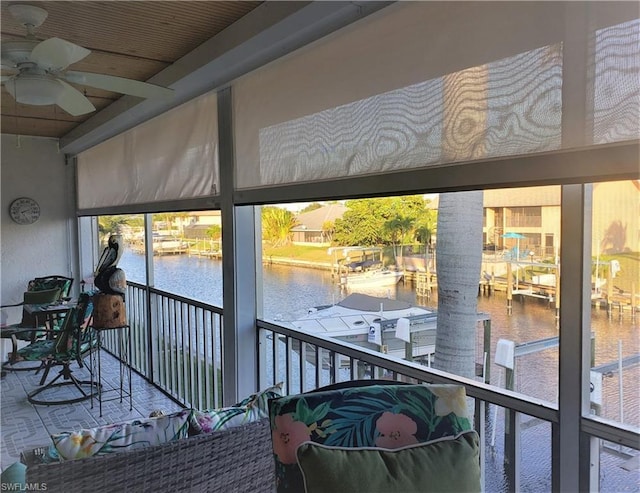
<point>288,292</point>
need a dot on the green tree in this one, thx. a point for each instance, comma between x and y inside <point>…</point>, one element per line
<point>167,218</point>
<point>136,221</point>
<point>363,222</point>
<point>277,224</point>
<point>214,232</point>
<point>399,229</point>
<point>327,230</point>
<point>389,220</point>
<point>425,226</point>
<point>311,207</point>
<point>111,224</point>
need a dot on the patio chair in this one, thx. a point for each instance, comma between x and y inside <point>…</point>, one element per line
<point>74,341</point>
<point>41,291</point>
<point>64,283</point>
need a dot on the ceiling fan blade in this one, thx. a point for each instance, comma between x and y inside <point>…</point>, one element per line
<point>55,54</point>
<point>73,101</point>
<point>9,69</point>
<point>119,84</point>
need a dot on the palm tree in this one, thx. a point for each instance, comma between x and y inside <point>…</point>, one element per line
<point>277,224</point>
<point>327,231</point>
<point>458,266</point>
<point>398,228</point>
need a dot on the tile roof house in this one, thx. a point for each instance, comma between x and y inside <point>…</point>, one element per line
<point>311,226</point>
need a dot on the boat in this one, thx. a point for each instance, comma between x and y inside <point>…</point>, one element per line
<point>362,267</point>
<point>166,244</point>
<point>359,318</point>
<point>372,278</point>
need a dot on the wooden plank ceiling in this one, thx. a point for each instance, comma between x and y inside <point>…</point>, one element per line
<point>132,39</point>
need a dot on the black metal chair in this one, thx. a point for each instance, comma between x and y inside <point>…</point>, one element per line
<point>73,342</point>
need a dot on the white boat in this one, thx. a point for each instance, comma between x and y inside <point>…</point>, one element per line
<point>165,244</point>
<point>358,315</point>
<point>371,278</point>
<point>362,267</point>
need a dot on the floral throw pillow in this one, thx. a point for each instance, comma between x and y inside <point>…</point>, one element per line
<point>386,416</point>
<point>122,437</point>
<point>252,408</point>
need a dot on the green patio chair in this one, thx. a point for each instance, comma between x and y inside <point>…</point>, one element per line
<point>23,330</point>
<point>63,283</point>
<point>40,290</point>
<point>73,342</point>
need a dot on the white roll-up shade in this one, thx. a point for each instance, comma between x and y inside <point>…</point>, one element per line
<point>425,83</point>
<point>171,157</point>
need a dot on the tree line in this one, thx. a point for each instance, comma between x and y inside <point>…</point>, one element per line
<point>391,221</point>
<point>366,222</point>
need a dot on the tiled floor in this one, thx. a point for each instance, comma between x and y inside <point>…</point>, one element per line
<point>25,425</point>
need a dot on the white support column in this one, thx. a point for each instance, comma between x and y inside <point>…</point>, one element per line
<point>239,339</point>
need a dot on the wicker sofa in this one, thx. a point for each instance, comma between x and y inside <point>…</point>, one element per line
<point>239,459</point>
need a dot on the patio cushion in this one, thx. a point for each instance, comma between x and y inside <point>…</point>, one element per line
<point>122,437</point>
<point>388,416</point>
<point>448,464</point>
<point>37,351</point>
<point>248,410</point>
<point>43,283</point>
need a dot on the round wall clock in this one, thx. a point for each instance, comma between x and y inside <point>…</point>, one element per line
<point>24,210</point>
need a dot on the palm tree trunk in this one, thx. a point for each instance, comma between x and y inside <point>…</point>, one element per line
<point>458,265</point>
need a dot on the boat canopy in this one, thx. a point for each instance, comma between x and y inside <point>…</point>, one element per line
<point>365,302</point>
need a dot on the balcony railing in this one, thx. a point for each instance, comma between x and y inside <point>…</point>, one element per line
<point>176,345</point>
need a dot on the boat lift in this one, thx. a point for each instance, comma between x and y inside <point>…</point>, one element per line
<point>506,354</point>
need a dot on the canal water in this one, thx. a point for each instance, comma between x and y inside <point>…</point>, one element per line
<point>289,291</point>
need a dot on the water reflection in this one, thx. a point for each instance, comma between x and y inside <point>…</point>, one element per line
<point>288,293</point>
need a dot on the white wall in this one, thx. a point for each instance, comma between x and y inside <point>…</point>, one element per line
<point>33,167</point>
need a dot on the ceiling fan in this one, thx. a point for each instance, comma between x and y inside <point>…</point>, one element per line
<point>38,69</point>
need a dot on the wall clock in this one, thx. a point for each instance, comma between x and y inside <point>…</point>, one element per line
<point>24,210</point>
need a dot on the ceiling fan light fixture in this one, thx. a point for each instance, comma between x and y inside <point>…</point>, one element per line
<point>38,90</point>
<point>28,15</point>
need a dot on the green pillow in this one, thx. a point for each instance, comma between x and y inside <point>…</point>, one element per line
<point>15,477</point>
<point>449,464</point>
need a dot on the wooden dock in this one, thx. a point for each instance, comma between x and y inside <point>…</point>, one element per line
<point>206,253</point>
<point>610,299</point>
<point>423,282</point>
